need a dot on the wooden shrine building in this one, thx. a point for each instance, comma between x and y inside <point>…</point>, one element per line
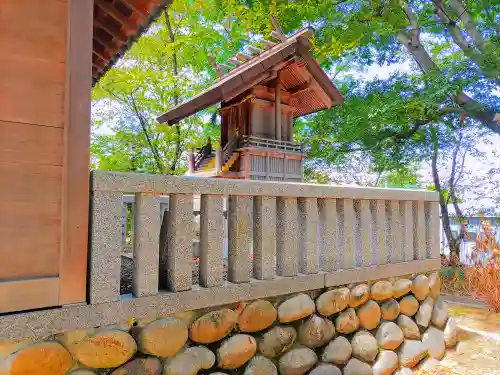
<point>260,95</point>
<point>51,53</point>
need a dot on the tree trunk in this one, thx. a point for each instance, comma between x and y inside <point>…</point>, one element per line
<point>455,175</point>
<point>453,243</point>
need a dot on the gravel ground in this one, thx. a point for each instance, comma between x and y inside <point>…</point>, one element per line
<point>127,270</point>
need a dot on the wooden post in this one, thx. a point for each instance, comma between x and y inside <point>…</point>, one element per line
<point>277,108</point>
<point>76,141</point>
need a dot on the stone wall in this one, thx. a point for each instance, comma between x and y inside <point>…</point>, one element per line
<point>380,328</point>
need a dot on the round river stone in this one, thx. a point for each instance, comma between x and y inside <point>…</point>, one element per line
<point>295,308</point>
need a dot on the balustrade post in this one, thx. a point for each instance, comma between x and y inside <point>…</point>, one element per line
<point>264,236</point>
<point>406,209</point>
<point>218,161</point>
<point>106,246</point>
<point>345,210</point>
<point>419,239</point>
<point>395,228</point>
<point>287,249</point>
<point>364,218</point>
<point>329,256</point>
<point>177,255</point>
<point>211,240</point>
<point>191,161</point>
<point>380,231</point>
<point>308,235</point>
<point>146,245</point>
<point>432,227</point>
<point>239,238</point>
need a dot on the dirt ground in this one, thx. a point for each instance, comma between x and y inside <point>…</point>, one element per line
<point>478,352</point>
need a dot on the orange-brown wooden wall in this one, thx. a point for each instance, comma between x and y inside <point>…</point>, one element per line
<point>41,158</point>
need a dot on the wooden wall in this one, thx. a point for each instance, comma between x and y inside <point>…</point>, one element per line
<point>40,112</point>
<point>262,120</point>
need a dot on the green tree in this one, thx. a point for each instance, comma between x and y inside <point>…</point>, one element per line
<point>168,65</point>
<point>454,44</point>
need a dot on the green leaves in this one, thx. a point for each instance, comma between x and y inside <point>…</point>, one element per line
<point>158,72</point>
<point>387,119</point>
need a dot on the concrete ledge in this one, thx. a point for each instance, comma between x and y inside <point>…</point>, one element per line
<point>43,323</point>
<point>361,274</point>
<point>163,184</point>
<point>464,301</point>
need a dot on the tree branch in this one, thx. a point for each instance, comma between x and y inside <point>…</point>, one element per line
<point>475,54</point>
<point>178,150</point>
<point>415,28</point>
<point>142,121</point>
<point>457,110</point>
<point>469,24</point>
<point>485,115</point>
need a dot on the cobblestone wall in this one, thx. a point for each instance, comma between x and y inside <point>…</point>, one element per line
<point>380,328</point>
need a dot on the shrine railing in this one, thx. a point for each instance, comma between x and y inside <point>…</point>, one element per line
<point>203,153</point>
<point>252,141</point>
<point>280,237</point>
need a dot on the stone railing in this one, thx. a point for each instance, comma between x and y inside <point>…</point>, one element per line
<point>257,240</point>
<point>282,238</point>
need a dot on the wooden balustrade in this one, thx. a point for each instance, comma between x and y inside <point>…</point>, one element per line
<point>273,144</point>
<point>275,231</point>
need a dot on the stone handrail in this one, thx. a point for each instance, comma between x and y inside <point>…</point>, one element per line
<point>330,234</point>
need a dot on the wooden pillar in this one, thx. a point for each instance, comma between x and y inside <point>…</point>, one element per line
<point>75,186</point>
<point>45,84</point>
<point>277,108</point>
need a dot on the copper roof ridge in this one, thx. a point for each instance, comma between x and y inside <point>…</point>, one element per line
<point>295,38</point>
<point>302,32</point>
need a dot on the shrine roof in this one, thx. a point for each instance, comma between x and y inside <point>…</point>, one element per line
<point>300,75</point>
<point>117,25</point>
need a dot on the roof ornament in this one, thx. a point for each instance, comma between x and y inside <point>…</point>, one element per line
<point>215,66</point>
<point>242,57</point>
